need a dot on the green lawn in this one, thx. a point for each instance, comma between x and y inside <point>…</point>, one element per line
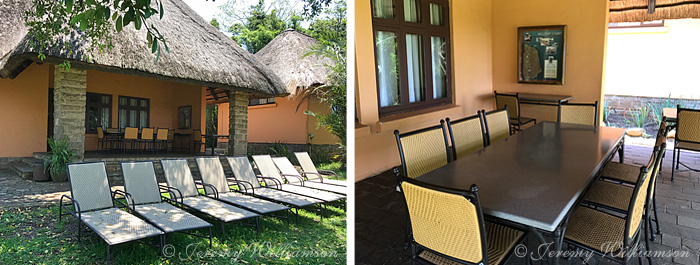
<point>34,235</point>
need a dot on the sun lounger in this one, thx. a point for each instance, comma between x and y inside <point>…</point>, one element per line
<point>287,169</point>
<point>312,174</point>
<point>268,169</point>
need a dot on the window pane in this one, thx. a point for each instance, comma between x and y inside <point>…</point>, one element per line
<point>122,101</point>
<point>91,119</point>
<point>411,10</point>
<point>439,67</point>
<point>414,63</point>
<point>144,103</point>
<point>387,68</point>
<point>134,102</point>
<point>144,119</point>
<point>132,118</point>
<point>104,99</point>
<point>122,118</point>
<point>436,15</point>
<point>105,118</point>
<point>272,100</point>
<point>383,8</point>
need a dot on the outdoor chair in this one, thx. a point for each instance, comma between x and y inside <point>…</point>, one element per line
<point>594,230</point>
<point>466,135</point>
<point>294,177</point>
<point>131,135</point>
<point>461,236</point>
<point>268,169</point>
<point>94,205</point>
<point>146,139</point>
<point>249,183</point>
<point>212,173</point>
<point>423,150</point>
<point>162,139</point>
<point>512,102</point>
<point>197,140</point>
<point>140,182</point>
<point>101,139</point>
<point>171,141</point>
<point>578,113</point>
<point>687,135</point>
<point>179,177</point>
<point>496,125</point>
<point>312,174</point>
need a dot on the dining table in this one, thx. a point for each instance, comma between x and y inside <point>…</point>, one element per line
<point>536,177</point>
<point>213,139</point>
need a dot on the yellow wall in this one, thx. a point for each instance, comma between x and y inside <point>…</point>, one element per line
<point>636,66</point>
<point>281,122</point>
<point>165,98</point>
<point>375,146</point>
<point>586,30</point>
<point>24,112</point>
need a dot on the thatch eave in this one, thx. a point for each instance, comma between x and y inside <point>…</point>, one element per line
<point>638,10</point>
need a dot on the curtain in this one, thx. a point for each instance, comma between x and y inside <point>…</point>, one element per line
<point>383,8</point>
<point>411,10</point>
<point>387,68</point>
<point>438,62</point>
<point>414,63</point>
<point>436,15</point>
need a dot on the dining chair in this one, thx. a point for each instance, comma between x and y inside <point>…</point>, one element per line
<point>496,125</point>
<point>466,135</point>
<point>461,236</point>
<point>687,135</point>
<point>423,150</point>
<point>162,138</point>
<point>578,113</point>
<point>594,230</point>
<point>513,104</point>
<point>146,138</point>
<point>197,139</point>
<point>171,141</point>
<point>131,135</point>
<point>101,140</point>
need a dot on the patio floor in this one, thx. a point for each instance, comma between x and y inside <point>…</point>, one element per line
<point>380,215</point>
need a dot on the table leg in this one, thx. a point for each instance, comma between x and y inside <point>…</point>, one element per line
<point>622,150</point>
<point>558,242</point>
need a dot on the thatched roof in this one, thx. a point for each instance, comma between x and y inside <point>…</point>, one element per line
<point>284,56</point>
<point>199,54</point>
<point>638,10</point>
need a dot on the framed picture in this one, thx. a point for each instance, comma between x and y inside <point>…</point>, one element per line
<point>541,52</point>
<point>184,118</point>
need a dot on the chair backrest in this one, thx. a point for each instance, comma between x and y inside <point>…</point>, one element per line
<point>286,167</point>
<point>423,150</point>
<point>131,133</point>
<point>446,221</point>
<point>147,134</point>
<point>510,101</point>
<point>179,176</point>
<point>267,167</point>
<point>578,113</point>
<point>140,181</point>
<point>197,135</point>
<point>497,125</point>
<point>162,134</point>
<point>171,135</point>
<point>688,125</point>
<point>212,172</point>
<point>100,133</point>
<point>89,185</point>
<point>638,201</point>
<point>112,129</point>
<point>466,135</point>
<point>242,170</point>
<point>307,164</point>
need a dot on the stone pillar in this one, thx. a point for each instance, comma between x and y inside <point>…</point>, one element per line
<point>69,98</point>
<point>238,123</point>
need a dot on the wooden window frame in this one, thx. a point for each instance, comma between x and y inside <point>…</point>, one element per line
<point>268,102</point>
<point>400,28</point>
<point>99,105</point>
<point>137,108</point>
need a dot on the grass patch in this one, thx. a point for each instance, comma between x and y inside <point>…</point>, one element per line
<point>336,167</point>
<point>33,235</point>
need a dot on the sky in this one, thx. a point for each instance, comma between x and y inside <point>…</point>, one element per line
<point>207,9</point>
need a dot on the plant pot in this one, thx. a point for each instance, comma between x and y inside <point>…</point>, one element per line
<point>39,174</point>
<point>63,176</point>
<point>635,132</point>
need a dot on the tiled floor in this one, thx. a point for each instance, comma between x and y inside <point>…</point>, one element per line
<point>380,215</point>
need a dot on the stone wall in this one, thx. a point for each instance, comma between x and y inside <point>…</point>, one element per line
<point>625,103</point>
<point>238,123</point>
<point>69,107</point>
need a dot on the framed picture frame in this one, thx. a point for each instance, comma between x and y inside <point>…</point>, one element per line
<point>541,54</point>
<point>184,117</point>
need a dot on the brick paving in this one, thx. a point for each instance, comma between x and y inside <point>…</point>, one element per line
<point>380,215</point>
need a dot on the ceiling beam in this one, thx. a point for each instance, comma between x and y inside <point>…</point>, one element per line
<point>213,94</point>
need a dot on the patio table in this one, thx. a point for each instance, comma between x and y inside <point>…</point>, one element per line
<point>213,139</point>
<point>536,177</point>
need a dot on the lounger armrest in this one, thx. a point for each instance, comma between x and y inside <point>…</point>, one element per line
<point>278,184</point>
<point>301,180</point>
<point>76,207</point>
<point>205,186</point>
<point>327,172</point>
<point>126,196</point>
<point>239,183</point>
<point>172,191</point>
<point>313,173</point>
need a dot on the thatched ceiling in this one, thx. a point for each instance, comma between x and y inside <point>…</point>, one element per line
<point>199,54</point>
<point>285,56</point>
<point>638,10</point>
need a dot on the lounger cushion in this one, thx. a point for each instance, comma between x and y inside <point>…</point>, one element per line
<point>255,204</point>
<point>326,187</point>
<point>286,197</point>
<point>170,218</point>
<point>117,226</point>
<point>217,209</point>
<point>323,195</point>
<point>330,181</point>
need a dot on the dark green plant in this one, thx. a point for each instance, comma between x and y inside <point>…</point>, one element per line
<point>658,108</point>
<point>638,119</point>
<point>279,149</point>
<point>606,112</point>
<point>57,157</point>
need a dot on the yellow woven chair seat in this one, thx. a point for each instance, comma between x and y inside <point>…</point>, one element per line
<point>688,146</point>
<point>610,194</point>
<point>500,240</point>
<point>595,229</point>
<point>624,172</point>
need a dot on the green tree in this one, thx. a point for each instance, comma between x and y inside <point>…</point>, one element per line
<point>259,24</point>
<point>215,23</point>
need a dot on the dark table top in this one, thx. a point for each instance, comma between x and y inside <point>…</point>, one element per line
<point>544,97</point>
<point>533,177</point>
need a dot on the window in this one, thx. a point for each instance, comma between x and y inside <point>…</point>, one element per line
<point>643,24</point>
<point>98,112</point>
<point>133,112</point>
<point>261,101</point>
<point>412,40</point>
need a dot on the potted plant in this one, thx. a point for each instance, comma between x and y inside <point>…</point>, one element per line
<point>55,160</point>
